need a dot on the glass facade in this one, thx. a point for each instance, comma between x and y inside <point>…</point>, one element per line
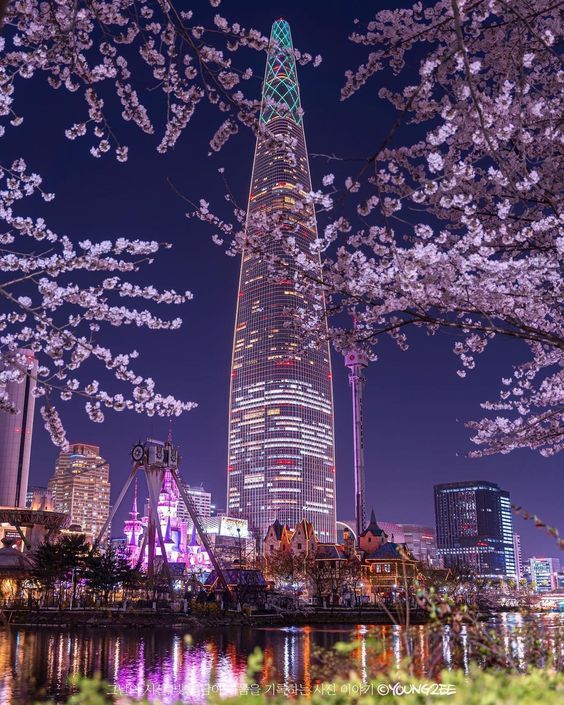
<point>475,528</point>
<point>281,449</point>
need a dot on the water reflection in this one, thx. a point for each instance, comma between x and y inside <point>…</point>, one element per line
<point>35,663</point>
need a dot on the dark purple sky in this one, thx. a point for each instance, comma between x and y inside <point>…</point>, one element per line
<point>415,403</point>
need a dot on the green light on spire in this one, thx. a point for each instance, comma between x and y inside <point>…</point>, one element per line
<point>280,91</point>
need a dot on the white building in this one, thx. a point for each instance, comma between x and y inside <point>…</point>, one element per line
<point>201,499</point>
<point>80,488</point>
<point>543,574</point>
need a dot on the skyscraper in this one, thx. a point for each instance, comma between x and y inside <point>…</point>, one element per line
<point>81,487</point>
<point>475,528</point>
<point>201,500</point>
<point>15,435</point>
<point>422,542</point>
<point>281,451</point>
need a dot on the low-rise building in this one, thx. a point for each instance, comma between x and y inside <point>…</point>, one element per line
<point>543,575</point>
<point>338,573</point>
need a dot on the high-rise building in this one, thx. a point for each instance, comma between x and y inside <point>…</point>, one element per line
<point>475,528</point>
<point>281,462</point>
<point>16,430</point>
<point>422,542</point>
<point>81,488</point>
<point>543,574</point>
<point>39,498</point>
<point>201,500</point>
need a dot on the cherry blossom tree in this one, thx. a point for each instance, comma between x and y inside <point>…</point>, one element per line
<point>461,227</point>
<point>454,221</point>
<point>49,309</point>
<point>94,49</point>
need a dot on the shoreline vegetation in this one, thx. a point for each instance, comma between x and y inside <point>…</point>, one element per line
<point>152,618</point>
<point>89,617</point>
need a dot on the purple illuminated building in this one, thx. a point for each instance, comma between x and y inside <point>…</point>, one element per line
<point>281,461</point>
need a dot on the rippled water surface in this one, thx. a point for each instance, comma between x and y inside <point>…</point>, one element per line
<point>35,663</point>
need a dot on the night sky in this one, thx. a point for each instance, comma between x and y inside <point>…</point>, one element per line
<point>415,404</point>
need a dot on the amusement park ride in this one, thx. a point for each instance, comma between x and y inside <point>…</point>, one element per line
<point>155,458</point>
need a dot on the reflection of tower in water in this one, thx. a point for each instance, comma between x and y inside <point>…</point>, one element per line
<point>268,672</point>
<point>361,654</point>
<point>307,659</point>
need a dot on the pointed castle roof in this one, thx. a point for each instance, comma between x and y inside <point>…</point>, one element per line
<point>278,529</point>
<point>307,527</point>
<point>134,513</point>
<point>373,527</point>
<point>193,538</point>
<point>168,534</point>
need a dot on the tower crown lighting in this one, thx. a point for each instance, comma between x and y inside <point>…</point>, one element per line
<point>281,92</point>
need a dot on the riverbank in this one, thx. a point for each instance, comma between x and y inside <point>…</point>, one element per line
<point>151,619</point>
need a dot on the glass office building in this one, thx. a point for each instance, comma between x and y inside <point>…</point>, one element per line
<point>475,528</point>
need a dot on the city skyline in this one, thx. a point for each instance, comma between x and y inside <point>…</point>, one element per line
<point>281,388</point>
<point>415,405</point>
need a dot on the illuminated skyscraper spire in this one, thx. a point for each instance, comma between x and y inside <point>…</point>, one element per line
<point>281,92</point>
<point>281,456</point>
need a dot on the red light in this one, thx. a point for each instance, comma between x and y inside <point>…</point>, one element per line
<point>240,294</point>
<point>234,373</point>
<point>329,376</point>
<point>284,363</point>
<point>285,461</point>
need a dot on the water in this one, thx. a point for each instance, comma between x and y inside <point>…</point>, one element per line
<point>35,662</point>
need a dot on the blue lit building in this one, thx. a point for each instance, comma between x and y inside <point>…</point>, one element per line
<point>475,528</point>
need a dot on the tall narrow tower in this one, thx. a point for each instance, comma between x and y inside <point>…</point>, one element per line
<point>16,429</point>
<point>356,361</point>
<point>281,452</point>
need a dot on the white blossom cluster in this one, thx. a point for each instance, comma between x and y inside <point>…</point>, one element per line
<point>92,48</point>
<point>468,226</point>
<point>60,319</point>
